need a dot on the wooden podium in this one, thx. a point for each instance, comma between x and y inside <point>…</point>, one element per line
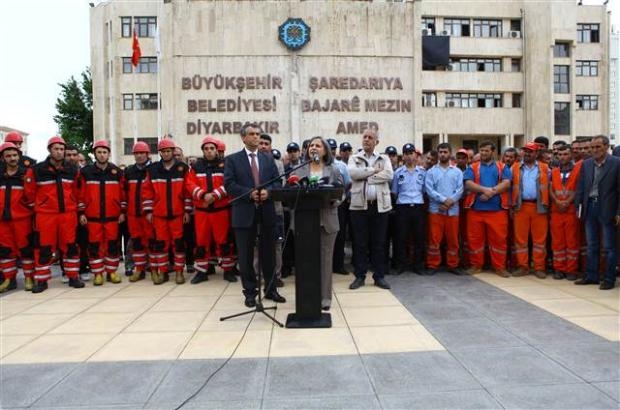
<point>307,203</point>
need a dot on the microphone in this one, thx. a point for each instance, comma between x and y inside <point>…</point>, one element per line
<point>293,180</point>
<point>304,182</point>
<point>316,158</point>
<point>313,180</point>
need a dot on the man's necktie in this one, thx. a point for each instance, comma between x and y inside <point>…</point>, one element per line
<point>254,167</point>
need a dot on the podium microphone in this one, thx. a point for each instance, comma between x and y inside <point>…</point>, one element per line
<point>313,181</point>
<point>293,180</point>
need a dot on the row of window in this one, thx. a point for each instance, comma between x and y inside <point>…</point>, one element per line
<point>144,26</point>
<point>144,101</point>
<point>494,100</point>
<point>465,27</point>
<point>145,65</point>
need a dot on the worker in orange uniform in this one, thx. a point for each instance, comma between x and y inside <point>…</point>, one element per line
<point>167,205</point>
<point>17,139</point>
<point>487,203</point>
<point>15,222</point>
<point>530,204</point>
<point>565,226</point>
<point>140,230</point>
<point>102,208</point>
<point>51,187</point>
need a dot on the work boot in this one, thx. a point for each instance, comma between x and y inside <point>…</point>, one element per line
<point>98,281</point>
<point>40,286</point>
<point>179,278</point>
<point>156,278</point>
<point>199,277</point>
<point>76,283</point>
<point>165,277</point>
<point>230,276</point>
<point>136,276</point>
<point>502,273</point>
<point>28,284</point>
<point>520,272</point>
<point>8,284</point>
<point>540,274</point>
<point>113,277</point>
<point>474,271</point>
<point>211,270</point>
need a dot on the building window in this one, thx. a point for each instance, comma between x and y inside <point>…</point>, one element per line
<point>587,102</point>
<point>429,22</point>
<point>515,65</point>
<point>560,79</point>
<point>487,28</point>
<point>516,100</point>
<point>128,144</point>
<point>587,33</point>
<point>127,65</point>
<point>145,26</point>
<point>147,101</point>
<point>457,27</point>
<point>561,49</point>
<point>126,27</point>
<point>472,100</point>
<point>515,25</point>
<point>429,99</point>
<point>562,118</point>
<point>488,65</point>
<point>587,68</point>
<point>127,101</point>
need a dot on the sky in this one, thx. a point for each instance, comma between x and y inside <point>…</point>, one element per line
<point>44,43</point>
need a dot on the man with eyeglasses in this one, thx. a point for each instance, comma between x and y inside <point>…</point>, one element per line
<point>598,204</point>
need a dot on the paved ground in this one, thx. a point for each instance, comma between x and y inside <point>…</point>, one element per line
<point>433,342</point>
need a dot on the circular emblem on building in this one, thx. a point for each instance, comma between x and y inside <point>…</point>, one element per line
<point>294,34</point>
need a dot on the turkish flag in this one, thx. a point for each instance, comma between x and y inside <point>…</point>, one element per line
<point>137,53</point>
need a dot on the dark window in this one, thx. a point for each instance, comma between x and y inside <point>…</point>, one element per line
<point>146,101</point>
<point>515,25</point>
<point>560,79</point>
<point>586,68</point>
<point>429,99</point>
<point>126,27</point>
<point>127,68</point>
<point>488,65</point>
<point>128,144</point>
<point>473,100</point>
<point>562,118</point>
<point>487,28</point>
<point>561,49</point>
<point>429,22</point>
<point>587,102</point>
<point>457,27</point>
<point>515,65</point>
<point>127,101</point>
<point>587,33</point>
<point>145,26</point>
<point>516,100</point>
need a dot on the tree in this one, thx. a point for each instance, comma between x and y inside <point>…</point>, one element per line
<point>75,112</point>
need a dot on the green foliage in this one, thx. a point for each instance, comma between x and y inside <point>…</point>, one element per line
<point>75,112</point>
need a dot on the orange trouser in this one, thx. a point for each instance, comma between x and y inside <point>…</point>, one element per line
<point>463,236</point>
<point>140,232</point>
<point>56,231</point>
<point>565,241</point>
<point>529,221</point>
<point>103,246</point>
<point>167,232</point>
<point>443,226</point>
<point>15,242</point>
<point>491,227</point>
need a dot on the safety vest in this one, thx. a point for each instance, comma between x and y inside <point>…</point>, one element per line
<point>564,190</point>
<point>542,199</point>
<point>471,197</point>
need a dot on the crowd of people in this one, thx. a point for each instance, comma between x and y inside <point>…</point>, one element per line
<point>526,210</point>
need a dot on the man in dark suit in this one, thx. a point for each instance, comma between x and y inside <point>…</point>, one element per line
<point>598,202</point>
<point>243,171</point>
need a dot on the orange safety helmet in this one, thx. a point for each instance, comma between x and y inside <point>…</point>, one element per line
<point>56,140</point>
<point>221,146</point>
<point>101,144</point>
<point>165,143</point>
<point>141,146</point>
<point>209,140</point>
<point>8,145</point>
<point>13,136</point>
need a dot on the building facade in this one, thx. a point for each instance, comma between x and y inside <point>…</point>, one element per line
<point>614,83</point>
<point>514,70</point>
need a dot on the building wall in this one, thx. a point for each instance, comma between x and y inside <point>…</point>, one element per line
<point>614,83</point>
<point>313,91</point>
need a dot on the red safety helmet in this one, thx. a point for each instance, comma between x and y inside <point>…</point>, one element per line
<point>56,140</point>
<point>141,146</point>
<point>165,143</point>
<point>13,136</point>
<point>8,145</point>
<point>208,140</point>
<point>101,144</point>
<point>221,147</point>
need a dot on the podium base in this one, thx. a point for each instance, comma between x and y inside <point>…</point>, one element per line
<point>293,321</point>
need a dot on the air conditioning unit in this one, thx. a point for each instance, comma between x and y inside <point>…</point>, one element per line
<point>445,32</point>
<point>514,34</point>
<point>427,32</point>
<point>451,104</point>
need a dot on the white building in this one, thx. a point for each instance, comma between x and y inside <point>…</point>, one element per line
<point>614,83</point>
<point>517,69</point>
